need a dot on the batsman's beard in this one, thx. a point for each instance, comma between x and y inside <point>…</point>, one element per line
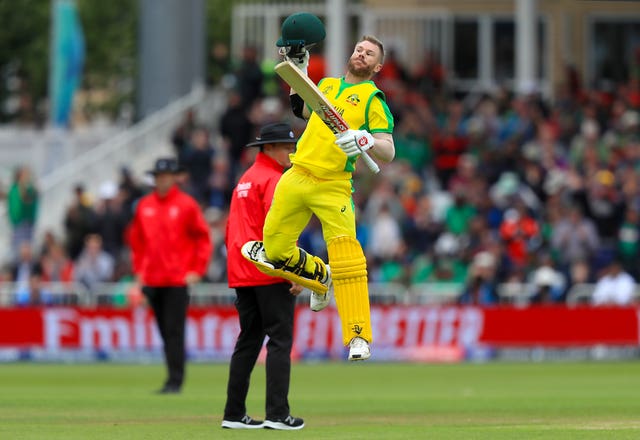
<point>361,72</point>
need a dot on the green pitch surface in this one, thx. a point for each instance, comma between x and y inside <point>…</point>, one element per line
<point>337,401</point>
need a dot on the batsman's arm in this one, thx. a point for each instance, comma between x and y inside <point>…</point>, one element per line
<point>383,147</point>
<point>298,106</point>
<point>297,103</point>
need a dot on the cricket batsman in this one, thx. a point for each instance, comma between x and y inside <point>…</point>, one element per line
<point>320,182</point>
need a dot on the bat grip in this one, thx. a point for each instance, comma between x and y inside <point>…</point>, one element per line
<point>370,163</point>
<point>297,51</point>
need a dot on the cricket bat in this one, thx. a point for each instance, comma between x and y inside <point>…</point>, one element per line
<point>320,105</point>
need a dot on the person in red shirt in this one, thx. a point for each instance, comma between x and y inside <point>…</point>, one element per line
<point>265,304</point>
<point>171,248</point>
<point>520,232</point>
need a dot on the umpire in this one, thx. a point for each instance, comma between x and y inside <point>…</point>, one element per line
<point>171,248</point>
<point>265,304</point>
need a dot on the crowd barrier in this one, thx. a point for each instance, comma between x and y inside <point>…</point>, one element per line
<point>127,293</point>
<point>402,332</point>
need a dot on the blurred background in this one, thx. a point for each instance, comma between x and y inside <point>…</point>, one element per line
<point>514,194</point>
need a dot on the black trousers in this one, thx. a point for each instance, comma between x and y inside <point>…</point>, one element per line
<point>169,306</point>
<point>263,311</point>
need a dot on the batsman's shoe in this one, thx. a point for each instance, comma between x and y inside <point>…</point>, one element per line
<point>319,302</point>
<point>289,423</point>
<point>359,349</point>
<point>317,282</point>
<point>245,422</point>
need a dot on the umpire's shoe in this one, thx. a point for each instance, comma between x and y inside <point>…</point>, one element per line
<point>288,423</point>
<point>245,422</point>
<point>169,389</point>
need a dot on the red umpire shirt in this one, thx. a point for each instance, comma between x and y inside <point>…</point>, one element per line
<point>169,238</point>
<point>253,195</point>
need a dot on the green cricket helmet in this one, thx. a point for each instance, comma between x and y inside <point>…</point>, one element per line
<point>301,29</point>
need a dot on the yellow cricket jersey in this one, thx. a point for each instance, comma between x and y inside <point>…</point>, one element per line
<point>362,106</point>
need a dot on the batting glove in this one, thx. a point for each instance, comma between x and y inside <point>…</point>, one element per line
<point>354,142</point>
<point>302,62</point>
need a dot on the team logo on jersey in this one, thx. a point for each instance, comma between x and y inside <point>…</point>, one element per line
<point>148,211</point>
<point>242,190</point>
<point>353,99</point>
<point>326,90</point>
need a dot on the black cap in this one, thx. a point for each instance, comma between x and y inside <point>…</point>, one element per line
<point>166,165</point>
<point>274,133</point>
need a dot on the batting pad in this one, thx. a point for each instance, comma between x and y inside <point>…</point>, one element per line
<point>349,273</point>
<point>254,252</point>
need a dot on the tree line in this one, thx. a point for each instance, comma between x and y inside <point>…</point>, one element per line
<point>110,31</point>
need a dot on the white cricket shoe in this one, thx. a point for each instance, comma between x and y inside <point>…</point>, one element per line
<point>359,349</point>
<point>254,252</point>
<point>318,301</point>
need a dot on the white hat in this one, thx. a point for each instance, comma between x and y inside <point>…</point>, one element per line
<point>545,276</point>
<point>554,181</point>
<point>507,183</point>
<point>483,259</point>
<point>447,244</point>
<point>630,119</point>
<point>108,190</point>
<point>589,128</point>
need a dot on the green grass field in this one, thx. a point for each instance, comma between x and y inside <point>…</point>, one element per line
<point>337,400</point>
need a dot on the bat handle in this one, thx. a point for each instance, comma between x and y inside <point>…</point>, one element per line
<point>370,163</point>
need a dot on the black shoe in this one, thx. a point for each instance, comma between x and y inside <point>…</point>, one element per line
<point>288,423</point>
<point>245,422</point>
<point>169,389</point>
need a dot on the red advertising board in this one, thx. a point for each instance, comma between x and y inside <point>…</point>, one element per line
<point>400,332</point>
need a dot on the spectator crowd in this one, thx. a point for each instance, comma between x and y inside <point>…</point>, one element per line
<point>486,190</point>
